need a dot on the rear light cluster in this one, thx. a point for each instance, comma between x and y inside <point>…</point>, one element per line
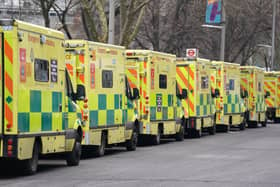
<point>192,123</point>
<point>85,109</point>
<point>147,105</point>
<point>10,147</point>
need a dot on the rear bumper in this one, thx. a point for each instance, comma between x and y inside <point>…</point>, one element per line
<point>198,123</point>
<point>8,146</point>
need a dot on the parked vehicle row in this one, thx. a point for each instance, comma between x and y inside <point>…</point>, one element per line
<point>71,96</point>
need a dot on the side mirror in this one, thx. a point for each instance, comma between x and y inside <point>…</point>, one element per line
<point>217,93</point>
<point>81,92</point>
<point>184,94</point>
<point>267,94</point>
<point>136,94</point>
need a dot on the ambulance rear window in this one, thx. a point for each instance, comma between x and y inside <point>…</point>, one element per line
<point>163,81</point>
<point>107,79</point>
<point>204,82</point>
<point>231,84</point>
<point>41,70</point>
<point>259,86</point>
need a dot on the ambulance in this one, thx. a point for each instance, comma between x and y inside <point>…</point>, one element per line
<point>252,90</point>
<point>272,86</point>
<point>39,114</point>
<point>158,110</point>
<point>230,110</point>
<point>193,74</point>
<point>110,115</point>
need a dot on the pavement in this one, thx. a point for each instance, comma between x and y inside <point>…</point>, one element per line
<point>237,158</point>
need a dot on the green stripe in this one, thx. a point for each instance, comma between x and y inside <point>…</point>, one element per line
<point>46,121</point>
<point>93,118</point>
<point>102,102</point>
<point>23,122</point>
<point>56,101</point>
<point>35,101</point>
<point>110,117</point>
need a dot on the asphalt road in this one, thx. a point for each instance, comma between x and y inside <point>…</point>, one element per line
<point>248,158</point>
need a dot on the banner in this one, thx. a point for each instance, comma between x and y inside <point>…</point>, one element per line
<point>214,11</point>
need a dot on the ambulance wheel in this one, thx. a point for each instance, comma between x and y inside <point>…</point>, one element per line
<point>242,126</point>
<point>100,150</point>
<point>132,143</point>
<point>264,123</point>
<point>73,158</point>
<point>276,120</point>
<point>253,124</point>
<point>156,138</point>
<point>30,166</point>
<point>212,130</point>
<point>198,133</point>
<point>181,134</point>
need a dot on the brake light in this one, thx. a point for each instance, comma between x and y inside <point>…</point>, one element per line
<point>10,147</point>
<point>10,141</point>
<point>129,54</point>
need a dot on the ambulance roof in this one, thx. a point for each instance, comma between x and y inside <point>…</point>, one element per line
<point>148,52</point>
<point>31,27</point>
<point>74,43</point>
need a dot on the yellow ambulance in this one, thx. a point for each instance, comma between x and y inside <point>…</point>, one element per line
<point>194,76</point>
<point>272,86</point>
<point>158,113</point>
<point>229,108</point>
<point>38,106</point>
<point>110,111</point>
<point>252,90</point>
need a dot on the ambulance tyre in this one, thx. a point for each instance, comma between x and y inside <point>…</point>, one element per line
<point>198,133</point>
<point>181,134</point>
<point>132,143</point>
<point>212,130</point>
<point>100,150</point>
<point>242,126</point>
<point>30,165</point>
<point>73,158</point>
<point>264,123</point>
<point>253,124</point>
<point>276,120</point>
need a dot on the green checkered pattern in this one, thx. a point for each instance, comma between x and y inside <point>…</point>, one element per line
<point>233,104</point>
<point>107,110</point>
<point>260,103</point>
<point>39,111</point>
<point>166,111</point>
<point>203,105</point>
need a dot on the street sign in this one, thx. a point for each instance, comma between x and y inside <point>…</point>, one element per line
<point>192,53</point>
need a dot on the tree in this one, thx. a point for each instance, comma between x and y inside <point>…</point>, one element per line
<point>45,6</point>
<point>95,19</point>
<point>248,23</point>
<point>62,13</point>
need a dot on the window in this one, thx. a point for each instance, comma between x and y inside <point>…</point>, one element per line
<point>231,84</point>
<point>107,79</point>
<point>259,86</point>
<point>41,69</point>
<point>204,82</point>
<point>127,88</point>
<point>163,81</point>
<point>69,87</point>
